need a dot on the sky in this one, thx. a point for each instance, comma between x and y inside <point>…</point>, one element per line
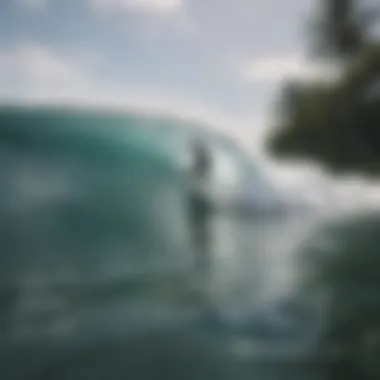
<point>217,57</point>
<point>220,61</point>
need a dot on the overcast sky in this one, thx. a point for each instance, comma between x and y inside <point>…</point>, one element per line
<point>218,60</point>
<point>219,57</point>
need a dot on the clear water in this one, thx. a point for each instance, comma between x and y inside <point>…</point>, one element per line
<point>97,278</point>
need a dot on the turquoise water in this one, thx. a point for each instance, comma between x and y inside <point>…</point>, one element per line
<point>97,278</point>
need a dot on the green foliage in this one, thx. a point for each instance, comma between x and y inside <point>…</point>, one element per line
<point>340,30</point>
<point>336,122</point>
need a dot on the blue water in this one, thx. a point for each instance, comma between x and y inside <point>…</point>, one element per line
<point>97,278</point>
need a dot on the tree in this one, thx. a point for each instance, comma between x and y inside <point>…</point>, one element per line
<point>339,30</point>
<point>336,122</point>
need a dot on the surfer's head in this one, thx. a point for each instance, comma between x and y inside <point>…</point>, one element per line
<point>198,146</point>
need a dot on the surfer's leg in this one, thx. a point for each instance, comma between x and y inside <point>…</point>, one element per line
<point>199,233</point>
<point>201,248</point>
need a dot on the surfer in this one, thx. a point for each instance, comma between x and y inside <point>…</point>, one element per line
<point>199,209</point>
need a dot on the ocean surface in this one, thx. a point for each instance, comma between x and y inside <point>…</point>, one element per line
<point>97,276</point>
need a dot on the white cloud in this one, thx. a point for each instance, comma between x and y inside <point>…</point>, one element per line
<point>277,68</point>
<point>163,7</point>
<point>32,4</point>
<point>32,65</point>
